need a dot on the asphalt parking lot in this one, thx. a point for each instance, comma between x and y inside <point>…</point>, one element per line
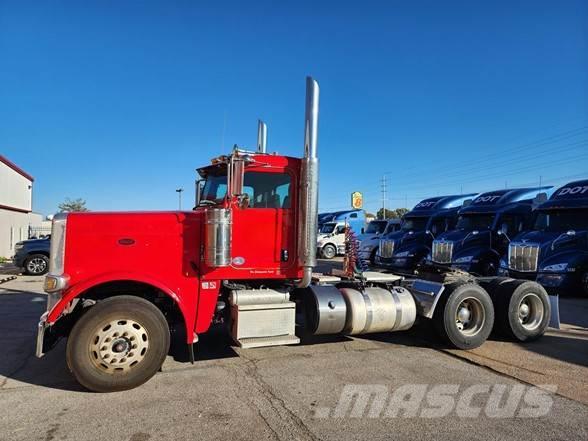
<point>297,392</point>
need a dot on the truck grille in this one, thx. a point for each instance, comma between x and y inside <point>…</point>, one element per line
<point>386,248</point>
<point>442,251</point>
<point>523,257</point>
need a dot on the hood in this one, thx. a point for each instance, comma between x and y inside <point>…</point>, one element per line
<point>466,240</point>
<point>555,245</point>
<point>35,241</point>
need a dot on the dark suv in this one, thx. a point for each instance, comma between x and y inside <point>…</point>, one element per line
<point>33,256</point>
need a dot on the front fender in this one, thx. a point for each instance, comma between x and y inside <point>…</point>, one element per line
<point>186,304</point>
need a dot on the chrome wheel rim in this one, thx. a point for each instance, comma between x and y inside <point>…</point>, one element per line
<point>530,312</point>
<point>119,345</point>
<point>470,316</point>
<point>329,252</point>
<point>36,265</point>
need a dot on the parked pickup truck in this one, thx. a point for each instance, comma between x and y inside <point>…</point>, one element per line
<point>555,252</point>
<point>405,250</point>
<point>370,240</point>
<point>483,229</point>
<point>32,256</point>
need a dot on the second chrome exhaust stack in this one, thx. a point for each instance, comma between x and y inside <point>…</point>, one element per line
<point>261,137</point>
<point>308,208</point>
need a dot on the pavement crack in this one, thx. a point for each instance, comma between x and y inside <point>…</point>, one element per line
<point>288,425</point>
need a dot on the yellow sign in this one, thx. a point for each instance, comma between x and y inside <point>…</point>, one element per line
<point>356,200</point>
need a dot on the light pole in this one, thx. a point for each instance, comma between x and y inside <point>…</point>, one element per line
<point>179,191</point>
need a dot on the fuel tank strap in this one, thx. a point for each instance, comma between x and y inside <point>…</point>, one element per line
<point>369,313</point>
<point>398,305</point>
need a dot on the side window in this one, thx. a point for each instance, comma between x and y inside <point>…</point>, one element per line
<point>268,190</point>
<point>512,223</point>
<point>353,216</point>
<point>340,229</point>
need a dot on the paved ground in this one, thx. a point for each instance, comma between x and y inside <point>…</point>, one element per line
<point>280,393</point>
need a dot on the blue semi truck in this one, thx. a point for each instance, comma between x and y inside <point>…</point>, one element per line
<point>555,252</point>
<point>484,228</point>
<point>354,218</point>
<point>403,251</point>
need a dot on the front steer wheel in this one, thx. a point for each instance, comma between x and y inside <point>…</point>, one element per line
<point>329,251</point>
<point>464,316</point>
<point>119,344</point>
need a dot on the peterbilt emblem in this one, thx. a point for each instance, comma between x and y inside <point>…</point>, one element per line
<point>238,261</point>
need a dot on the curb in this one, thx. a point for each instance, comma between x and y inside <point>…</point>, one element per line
<point>7,279</point>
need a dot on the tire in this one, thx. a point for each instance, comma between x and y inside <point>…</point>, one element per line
<point>36,265</point>
<point>120,325</point>
<point>464,317</point>
<point>329,251</point>
<point>523,310</point>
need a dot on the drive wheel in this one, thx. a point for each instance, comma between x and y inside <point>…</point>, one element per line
<point>465,316</point>
<point>329,251</point>
<point>119,344</point>
<point>522,310</point>
<point>36,265</point>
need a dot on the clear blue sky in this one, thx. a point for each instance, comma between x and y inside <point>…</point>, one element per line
<point>118,102</point>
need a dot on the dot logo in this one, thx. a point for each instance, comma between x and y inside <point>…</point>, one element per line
<point>573,190</point>
<point>484,199</point>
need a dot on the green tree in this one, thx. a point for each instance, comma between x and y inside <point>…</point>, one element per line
<point>70,205</point>
<point>392,214</point>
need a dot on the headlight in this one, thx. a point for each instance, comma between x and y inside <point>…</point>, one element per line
<point>19,246</point>
<point>556,267</point>
<point>402,254</point>
<point>465,259</point>
<point>429,257</point>
<point>503,264</point>
<point>366,248</point>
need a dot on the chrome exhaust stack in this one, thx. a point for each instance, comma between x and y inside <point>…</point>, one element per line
<point>261,137</point>
<point>308,208</point>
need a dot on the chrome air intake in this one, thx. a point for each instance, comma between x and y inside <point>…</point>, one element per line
<point>386,249</point>
<point>261,137</point>
<point>442,251</point>
<point>308,208</point>
<point>523,257</point>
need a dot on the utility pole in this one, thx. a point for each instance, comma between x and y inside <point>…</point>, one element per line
<point>384,196</point>
<point>179,192</point>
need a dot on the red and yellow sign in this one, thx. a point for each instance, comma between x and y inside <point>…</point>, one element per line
<point>356,200</point>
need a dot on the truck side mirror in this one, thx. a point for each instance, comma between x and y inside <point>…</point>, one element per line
<point>198,195</point>
<point>362,230</point>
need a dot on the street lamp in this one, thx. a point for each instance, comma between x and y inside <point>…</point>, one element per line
<point>179,192</point>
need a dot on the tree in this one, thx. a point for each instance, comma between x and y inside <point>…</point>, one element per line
<point>72,205</point>
<point>392,214</point>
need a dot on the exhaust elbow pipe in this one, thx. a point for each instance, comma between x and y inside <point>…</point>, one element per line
<point>308,205</point>
<point>261,136</point>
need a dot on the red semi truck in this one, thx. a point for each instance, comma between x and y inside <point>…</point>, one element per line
<point>244,257</point>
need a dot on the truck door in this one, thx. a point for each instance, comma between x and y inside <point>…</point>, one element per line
<point>264,233</point>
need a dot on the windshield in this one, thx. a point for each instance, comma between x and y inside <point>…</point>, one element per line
<point>475,221</point>
<point>414,223</point>
<point>376,227</point>
<point>327,228</point>
<point>564,220</point>
<point>215,189</point>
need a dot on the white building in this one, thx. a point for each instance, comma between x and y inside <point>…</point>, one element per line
<point>16,204</point>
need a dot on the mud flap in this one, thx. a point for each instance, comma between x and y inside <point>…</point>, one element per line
<point>554,319</point>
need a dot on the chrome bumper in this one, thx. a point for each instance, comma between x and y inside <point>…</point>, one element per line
<point>41,334</point>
